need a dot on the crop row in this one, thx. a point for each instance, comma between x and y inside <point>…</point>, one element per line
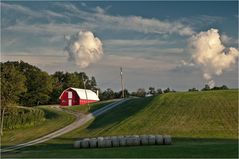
<point>22,117</point>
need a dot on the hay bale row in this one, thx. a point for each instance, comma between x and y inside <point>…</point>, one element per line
<point>120,141</point>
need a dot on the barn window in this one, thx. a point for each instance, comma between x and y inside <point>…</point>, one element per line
<point>69,94</point>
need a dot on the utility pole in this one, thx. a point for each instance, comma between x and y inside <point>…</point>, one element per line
<point>85,92</point>
<point>122,84</point>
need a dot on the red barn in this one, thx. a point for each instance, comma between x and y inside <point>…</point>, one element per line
<point>75,96</point>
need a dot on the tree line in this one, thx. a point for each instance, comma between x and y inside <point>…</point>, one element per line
<point>207,88</point>
<point>27,85</point>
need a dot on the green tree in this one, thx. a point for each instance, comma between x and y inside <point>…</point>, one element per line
<point>12,85</point>
<point>57,87</point>
<point>206,88</point>
<point>93,84</point>
<point>119,94</point>
<point>38,83</point>
<point>192,90</point>
<point>107,94</point>
<point>141,92</point>
<point>159,91</point>
<point>39,86</point>
<point>152,90</point>
<point>167,90</point>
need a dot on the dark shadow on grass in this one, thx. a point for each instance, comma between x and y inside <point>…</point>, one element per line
<point>50,114</point>
<point>120,113</point>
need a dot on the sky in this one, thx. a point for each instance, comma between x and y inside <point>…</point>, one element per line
<point>156,43</point>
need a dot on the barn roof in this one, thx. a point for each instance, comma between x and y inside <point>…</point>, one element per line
<point>81,93</point>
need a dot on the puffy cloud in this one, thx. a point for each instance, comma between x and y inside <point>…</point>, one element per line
<point>84,48</point>
<point>209,52</point>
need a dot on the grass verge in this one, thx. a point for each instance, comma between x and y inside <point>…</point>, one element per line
<point>85,108</point>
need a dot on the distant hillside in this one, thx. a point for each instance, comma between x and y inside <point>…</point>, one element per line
<point>207,114</point>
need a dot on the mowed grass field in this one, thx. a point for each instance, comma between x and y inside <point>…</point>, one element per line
<point>202,124</point>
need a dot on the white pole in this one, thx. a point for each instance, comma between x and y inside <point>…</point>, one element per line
<point>122,85</point>
<point>85,92</point>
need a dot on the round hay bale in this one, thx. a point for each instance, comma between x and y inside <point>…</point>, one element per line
<point>93,143</point>
<point>107,142</point>
<point>100,138</point>
<point>100,142</point>
<point>159,139</point>
<point>115,141</point>
<point>85,143</point>
<point>132,141</point>
<point>167,140</point>
<point>151,140</point>
<point>136,136</point>
<point>122,141</point>
<point>129,141</point>
<point>77,144</point>
<point>144,139</point>
<point>128,136</point>
<point>136,140</point>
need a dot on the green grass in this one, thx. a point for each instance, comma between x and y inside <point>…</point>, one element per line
<point>212,114</point>
<point>85,108</point>
<point>203,124</point>
<point>54,120</point>
<point>181,148</point>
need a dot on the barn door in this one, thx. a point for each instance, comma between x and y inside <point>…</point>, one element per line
<point>69,98</point>
<point>69,102</point>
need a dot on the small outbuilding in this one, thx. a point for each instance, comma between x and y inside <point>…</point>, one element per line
<point>75,96</point>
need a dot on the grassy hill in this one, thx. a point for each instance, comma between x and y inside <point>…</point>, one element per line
<point>212,114</point>
<point>202,124</point>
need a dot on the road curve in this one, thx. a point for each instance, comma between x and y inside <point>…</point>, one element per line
<point>79,122</point>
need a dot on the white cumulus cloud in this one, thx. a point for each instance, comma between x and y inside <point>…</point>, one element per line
<point>209,52</point>
<point>84,48</point>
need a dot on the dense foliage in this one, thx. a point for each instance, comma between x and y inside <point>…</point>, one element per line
<point>12,84</point>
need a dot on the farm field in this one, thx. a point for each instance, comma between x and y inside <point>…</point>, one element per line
<point>202,124</point>
<point>54,120</point>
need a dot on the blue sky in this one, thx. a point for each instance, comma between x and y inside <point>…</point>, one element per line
<point>148,39</point>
